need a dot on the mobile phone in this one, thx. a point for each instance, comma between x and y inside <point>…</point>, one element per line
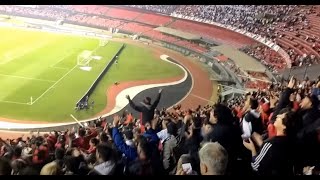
<point>187,168</point>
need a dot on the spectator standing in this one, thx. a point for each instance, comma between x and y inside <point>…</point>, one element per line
<point>146,108</point>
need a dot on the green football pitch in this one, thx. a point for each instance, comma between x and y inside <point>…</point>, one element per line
<point>43,66</point>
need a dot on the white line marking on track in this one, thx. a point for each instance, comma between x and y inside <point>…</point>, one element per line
<point>22,77</point>
<point>54,84</point>
<point>201,98</point>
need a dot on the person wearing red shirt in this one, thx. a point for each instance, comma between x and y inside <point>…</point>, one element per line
<point>82,141</point>
<point>61,142</point>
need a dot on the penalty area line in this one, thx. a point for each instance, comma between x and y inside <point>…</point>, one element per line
<point>13,102</point>
<point>54,84</point>
<point>22,77</point>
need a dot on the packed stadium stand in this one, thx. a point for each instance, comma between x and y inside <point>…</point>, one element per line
<point>273,130</point>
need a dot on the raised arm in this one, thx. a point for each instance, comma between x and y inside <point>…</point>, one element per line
<point>129,152</point>
<point>133,105</point>
<point>156,102</point>
<point>284,99</point>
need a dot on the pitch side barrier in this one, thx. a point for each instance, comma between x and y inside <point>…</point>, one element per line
<point>103,72</point>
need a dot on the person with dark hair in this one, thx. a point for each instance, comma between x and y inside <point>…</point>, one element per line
<point>153,141</point>
<point>61,141</point>
<point>59,155</point>
<point>128,136</point>
<point>309,109</point>
<point>40,154</point>
<point>252,121</point>
<point>140,168</point>
<point>82,141</point>
<point>146,108</point>
<point>226,133</point>
<point>307,136</point>
<point>93,145</point>
<point>143,164</point>
<point>275,155</point>
<point>71,165</point>
<point>192,142</point>
<point>89,155</point>
<point>105,164</point>
<point>104,139</point>
<point>129,151</point>
<point>17,153</point>
<point>169,155</point>
<point>5,168</point>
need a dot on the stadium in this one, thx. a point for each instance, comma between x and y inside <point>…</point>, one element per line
<point>172,89</point>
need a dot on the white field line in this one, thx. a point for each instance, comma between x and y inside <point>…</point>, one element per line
<point>60,68</point>
<point>63,58</point>
<point>54,84</point>
<point>22,77</point>
<point>13,102</point>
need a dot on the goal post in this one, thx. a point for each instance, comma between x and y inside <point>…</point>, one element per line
<point>84,58</point>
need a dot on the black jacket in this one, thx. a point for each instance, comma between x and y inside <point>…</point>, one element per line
<point>307,139</point>
<point>274,158</point>
<point>283,102</point>
<point>147,110</point>
<point>230,138</point>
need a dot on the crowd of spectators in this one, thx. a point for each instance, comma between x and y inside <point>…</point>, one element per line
<point>248,17</point>
<point>268,57</point>
<point>267,132</point>
<point>164,9</point>
<point>53,14</point>
<point>285,25</point>
<point>275,131</point>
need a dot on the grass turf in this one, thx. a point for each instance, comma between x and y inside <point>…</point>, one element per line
<point>43,65</point>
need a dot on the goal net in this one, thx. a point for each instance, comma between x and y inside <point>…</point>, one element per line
<point>84,58</point>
